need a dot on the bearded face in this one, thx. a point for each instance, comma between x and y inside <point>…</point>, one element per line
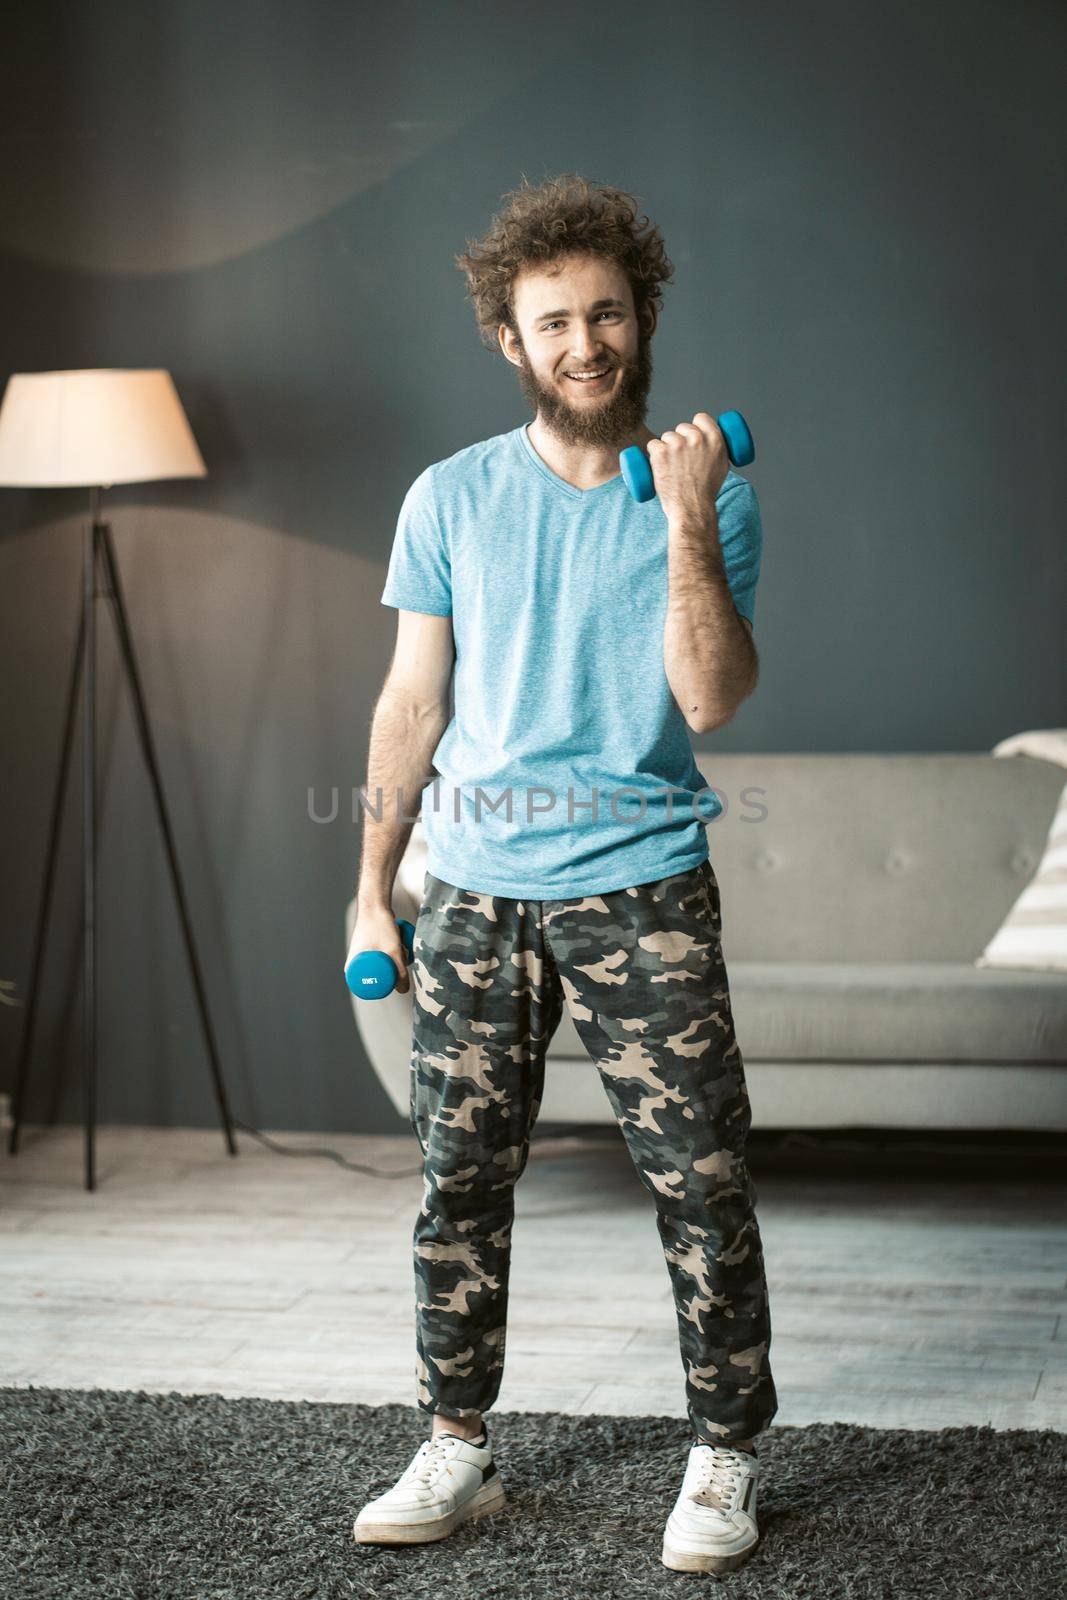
<point>604,412</point>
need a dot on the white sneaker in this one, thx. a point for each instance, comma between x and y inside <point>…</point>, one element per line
<point>448,1482</point>
<point>713,1525</point>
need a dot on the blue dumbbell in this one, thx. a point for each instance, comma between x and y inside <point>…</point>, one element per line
<point>637,470</point>
<point>371,975</point>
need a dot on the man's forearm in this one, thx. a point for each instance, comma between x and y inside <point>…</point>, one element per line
<point>403,737</point>
<point>708,655</point>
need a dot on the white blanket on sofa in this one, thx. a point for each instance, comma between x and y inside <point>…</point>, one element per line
<point>1034,933</point>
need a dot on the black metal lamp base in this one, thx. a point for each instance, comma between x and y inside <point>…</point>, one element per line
<point>99,560</point>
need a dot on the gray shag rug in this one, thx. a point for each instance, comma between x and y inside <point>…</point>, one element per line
<point>123,1495</point>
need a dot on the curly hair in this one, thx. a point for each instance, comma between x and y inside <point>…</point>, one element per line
<point>562,216</point>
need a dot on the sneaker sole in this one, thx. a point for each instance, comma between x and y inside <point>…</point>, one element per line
<point>489,1498</point>
<point>703,1560</point>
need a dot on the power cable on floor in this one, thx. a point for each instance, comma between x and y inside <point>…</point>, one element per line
<point>325,1153</point>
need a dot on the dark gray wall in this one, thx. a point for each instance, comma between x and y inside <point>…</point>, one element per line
<point>863,204</point>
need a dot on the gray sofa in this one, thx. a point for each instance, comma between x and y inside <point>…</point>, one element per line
<point>857,891</point>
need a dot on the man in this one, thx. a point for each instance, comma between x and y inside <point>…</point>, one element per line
<point>568,858</point>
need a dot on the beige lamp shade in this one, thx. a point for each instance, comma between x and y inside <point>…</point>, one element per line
<point>93,428</point>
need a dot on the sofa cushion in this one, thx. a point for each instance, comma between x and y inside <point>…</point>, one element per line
<point>914,1011</point>
<point>861,858</point>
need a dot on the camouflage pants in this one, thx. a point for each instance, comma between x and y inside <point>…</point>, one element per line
<point>644,979</point>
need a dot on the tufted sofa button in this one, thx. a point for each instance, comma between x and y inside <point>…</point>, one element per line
<point>1022,861</point>
<point>766,862</point>
<point>895,862</point>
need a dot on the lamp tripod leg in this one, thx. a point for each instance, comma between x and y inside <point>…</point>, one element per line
<point>89,854</point>
<point>130,661</point>
<point>41,932</point>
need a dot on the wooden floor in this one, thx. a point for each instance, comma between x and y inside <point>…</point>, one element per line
<point>898,1302</point>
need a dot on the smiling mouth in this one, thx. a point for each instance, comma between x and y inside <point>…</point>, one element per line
<point>589,383</point>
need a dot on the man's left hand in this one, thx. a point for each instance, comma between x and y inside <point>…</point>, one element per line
<point>689,466</point>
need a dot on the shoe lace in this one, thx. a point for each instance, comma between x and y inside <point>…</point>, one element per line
<point>718,1478</point>
<point>433,1455</point>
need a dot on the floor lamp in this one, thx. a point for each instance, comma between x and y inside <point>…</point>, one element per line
<point>91,429</point>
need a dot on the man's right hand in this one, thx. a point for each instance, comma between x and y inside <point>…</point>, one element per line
<point>376,929</point>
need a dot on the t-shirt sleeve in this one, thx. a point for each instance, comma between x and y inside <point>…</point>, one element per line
<point>741,540</point>
<point>420,571</point>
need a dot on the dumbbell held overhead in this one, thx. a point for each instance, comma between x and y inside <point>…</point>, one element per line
<point>637,470</point>
<point>371,974</point>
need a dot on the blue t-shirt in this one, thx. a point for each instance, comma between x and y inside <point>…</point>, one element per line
<point>558,598</point>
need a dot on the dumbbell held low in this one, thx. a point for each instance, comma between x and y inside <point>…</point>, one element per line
<point>371,974</point>
<point>637,470</point>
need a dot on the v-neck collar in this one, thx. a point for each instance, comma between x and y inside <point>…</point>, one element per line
<point>569,489</point>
